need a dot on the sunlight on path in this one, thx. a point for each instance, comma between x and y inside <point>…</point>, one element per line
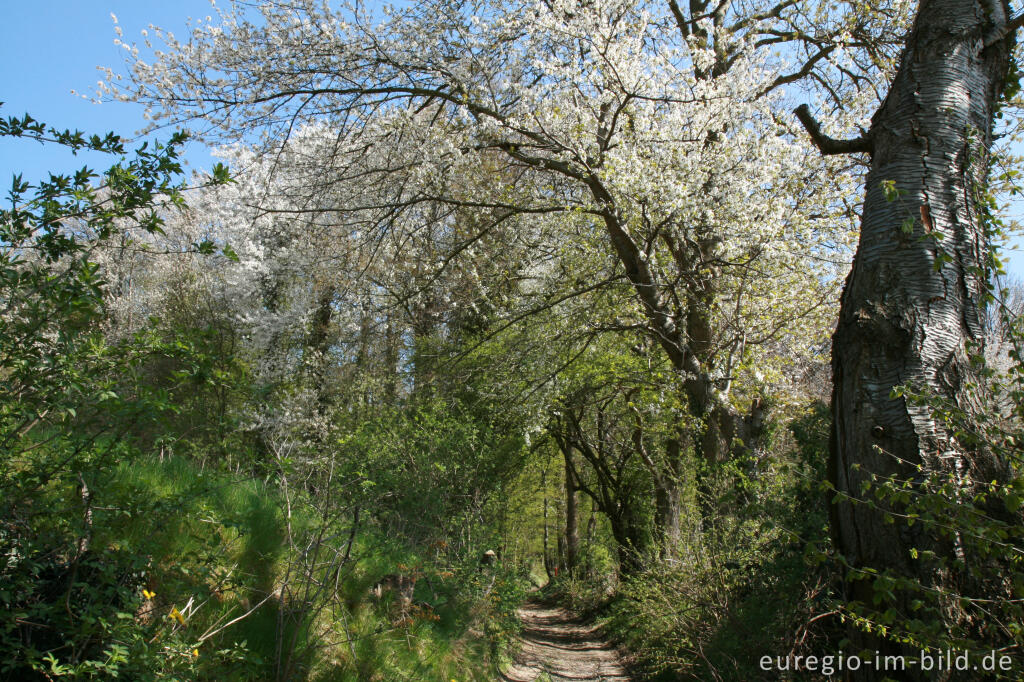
<point>553,642</point>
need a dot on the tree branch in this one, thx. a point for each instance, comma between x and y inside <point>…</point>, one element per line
<point>1004,31</point>
<point>828,145</point>
<point>802,72</point>
<point>681,22</point>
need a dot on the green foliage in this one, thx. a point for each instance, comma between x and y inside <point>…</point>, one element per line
<point>457,625</point>
<point>428,468</point>
<point>51,353</point>
<point>86,537</point>
<point>751,585</point>
<point>969,532</point>
<point>164,538</point>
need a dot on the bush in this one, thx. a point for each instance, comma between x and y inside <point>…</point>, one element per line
<point>750,587</point>
<point>970,531</point>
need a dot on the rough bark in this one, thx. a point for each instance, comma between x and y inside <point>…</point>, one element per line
<point>630,540</point>
<point>572,533</point>
<point>668,499</point>
<point>907,312</point>
<point>549,568</point>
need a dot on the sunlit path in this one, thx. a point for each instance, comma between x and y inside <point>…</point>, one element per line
<point>556,643</point>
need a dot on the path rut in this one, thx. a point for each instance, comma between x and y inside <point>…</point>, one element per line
<point>553,641</point>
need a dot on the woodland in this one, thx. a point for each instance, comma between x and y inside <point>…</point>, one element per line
<point>688,318</point>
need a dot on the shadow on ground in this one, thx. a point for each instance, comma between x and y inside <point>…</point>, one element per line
<point>553,641</point>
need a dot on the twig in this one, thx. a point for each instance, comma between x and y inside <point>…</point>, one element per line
<point>210,633</point>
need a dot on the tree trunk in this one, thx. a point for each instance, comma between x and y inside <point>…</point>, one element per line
<point>629,541</point>
<point>318,342</point>
<point>591,525</point>
<point>392,372</point>
<point>907,309</point>
<point>548,568</point>
<point>572,533</point>
<point>668,500</point>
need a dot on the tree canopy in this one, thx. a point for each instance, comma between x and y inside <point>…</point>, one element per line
<point>501,296</point>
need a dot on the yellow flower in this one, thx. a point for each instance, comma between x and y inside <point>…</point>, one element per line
<point>175,614</point>
<point>195,652</point>
<point>148,595</point>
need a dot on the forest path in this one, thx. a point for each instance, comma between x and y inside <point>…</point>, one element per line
<point>555,642</point>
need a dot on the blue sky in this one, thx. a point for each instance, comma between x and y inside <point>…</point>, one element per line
<point>51,47</point>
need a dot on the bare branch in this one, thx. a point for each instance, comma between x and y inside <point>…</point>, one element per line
<point>828,145</point>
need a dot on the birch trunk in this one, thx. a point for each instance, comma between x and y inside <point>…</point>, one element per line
<point>908,311</point>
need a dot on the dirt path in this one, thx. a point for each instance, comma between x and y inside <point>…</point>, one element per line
<point>554,642</point>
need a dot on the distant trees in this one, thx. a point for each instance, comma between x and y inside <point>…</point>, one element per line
<point>213,441</point>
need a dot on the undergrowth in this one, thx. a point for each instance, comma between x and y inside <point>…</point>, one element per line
<point>184,579</point>
<point>750,587</point>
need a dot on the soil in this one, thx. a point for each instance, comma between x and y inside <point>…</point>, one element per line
<point>556,643</point>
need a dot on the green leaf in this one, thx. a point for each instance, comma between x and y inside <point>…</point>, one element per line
<point>229,253</point>
<point>221,174</point>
